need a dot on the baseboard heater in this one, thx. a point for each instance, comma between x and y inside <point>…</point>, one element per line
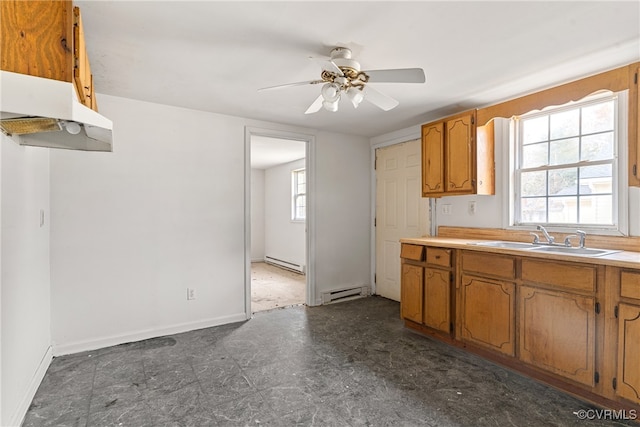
<point>344,294</point>
<point>284,264</point>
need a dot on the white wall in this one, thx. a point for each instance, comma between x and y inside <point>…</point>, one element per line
<point>342,212</point>
<point>25,292</point>
<point>257,215</point>
<point>284,238</point>
<point>132,229</point>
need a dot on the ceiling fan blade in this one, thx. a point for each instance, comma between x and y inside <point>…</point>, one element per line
<point>315,107</point>
<point>310,82</point>
<point>400,75</point>
<point>379,99</point>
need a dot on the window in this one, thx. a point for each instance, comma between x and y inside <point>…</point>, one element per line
<point>566,165</point>
<point>299,199</point>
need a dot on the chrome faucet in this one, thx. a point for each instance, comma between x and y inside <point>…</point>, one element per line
<point>579,233</point>
<point>550,239</point>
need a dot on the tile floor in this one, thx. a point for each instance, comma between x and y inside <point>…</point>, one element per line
<point>346,364</point>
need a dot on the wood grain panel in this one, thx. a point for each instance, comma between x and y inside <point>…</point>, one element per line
<point>439,256</point>
<point>36,38</point>
<point>488,316</point>
<point>413,252</point>
<point>557,333</point>
<point>460,149</point>
<point>485,159</point>
<point>437,299</point>
<point>433,158</point>
<point>628,350</point>
<point>411,292</point>
<point>630,284</point>
<point>614,80</point>
<point>489,264</point>
<point>572,276</point>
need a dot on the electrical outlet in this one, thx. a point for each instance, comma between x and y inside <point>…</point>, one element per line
<point>472,207</point>
<point>446,209</point>
<point>191,293</point>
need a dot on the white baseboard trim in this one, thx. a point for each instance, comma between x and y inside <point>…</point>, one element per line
<point>94,344</point>
<point>17,417</point>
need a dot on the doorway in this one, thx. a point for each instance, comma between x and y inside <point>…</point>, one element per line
<point>400,210</point>
<point>277,265</point>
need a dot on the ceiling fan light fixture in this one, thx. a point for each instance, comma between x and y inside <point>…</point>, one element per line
<point>331,105</point>
<point>355,96</point>
<point>330,92</point>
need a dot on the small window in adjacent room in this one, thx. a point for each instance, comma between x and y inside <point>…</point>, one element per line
<point>567,165</point>
<point>299,199</point>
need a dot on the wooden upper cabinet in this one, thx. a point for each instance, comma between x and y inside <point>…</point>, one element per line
<point>46,39</point>
<point>82,76</point>
<point>460,167</point>
<point>37,38</point>
<point>454,160</point>
<point>433,159</point>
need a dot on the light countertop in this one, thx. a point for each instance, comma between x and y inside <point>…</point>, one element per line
<point>624,259</point>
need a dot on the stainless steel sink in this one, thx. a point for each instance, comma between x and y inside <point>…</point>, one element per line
<point>506,244</point>
<point>588,252</point>
<point>567,250</point>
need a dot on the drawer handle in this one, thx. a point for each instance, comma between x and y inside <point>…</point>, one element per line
<point>437,256</point>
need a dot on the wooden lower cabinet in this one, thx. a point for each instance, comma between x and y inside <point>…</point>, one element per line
<point>628,373</point>
<point>437,299</point>
<point>488,316</point>
<point>573,324</point>
<point>411,292</point>
<point>557,332</point>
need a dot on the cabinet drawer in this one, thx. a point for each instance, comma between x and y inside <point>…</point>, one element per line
<point>489,264</point>
<point>439,256</point>
<point>630,284</point>
<point>414,252</point>
<point>571,276</point>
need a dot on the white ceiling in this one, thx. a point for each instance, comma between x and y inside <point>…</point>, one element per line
<point>268,152</point>
<point>215,55</point>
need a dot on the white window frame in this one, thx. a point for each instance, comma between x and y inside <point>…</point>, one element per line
<point>620,178</point>
<point>295,195</point>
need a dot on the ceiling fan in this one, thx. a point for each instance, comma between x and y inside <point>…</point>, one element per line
<point>341,75</point>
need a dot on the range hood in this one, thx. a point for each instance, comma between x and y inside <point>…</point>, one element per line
<point>46,113</point>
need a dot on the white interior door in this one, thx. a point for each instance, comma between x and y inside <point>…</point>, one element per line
<point>400,210</point>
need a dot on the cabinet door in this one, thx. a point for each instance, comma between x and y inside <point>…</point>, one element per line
<point>411,292</point>
<point>488,313</point>
<point>628,379</point>
<point>437,299</point>
<point>460,169</point>
<point>557,332</point>
<point>433,159</point>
